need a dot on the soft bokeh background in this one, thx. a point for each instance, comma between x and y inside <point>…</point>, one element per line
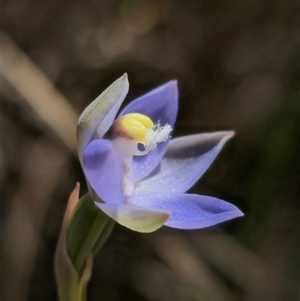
<point>237,63</point>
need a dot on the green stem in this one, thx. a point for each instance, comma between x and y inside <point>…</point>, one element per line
<point>86,233</point>
<point>86,275</point>
<point>91,239</point>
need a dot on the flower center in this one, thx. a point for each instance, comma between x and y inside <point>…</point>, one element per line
<point>136,134</point>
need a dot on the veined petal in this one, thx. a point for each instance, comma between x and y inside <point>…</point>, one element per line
<point>135,218</point>
<point>186,160</point>
<point>104,171</point>
<point>100,114</point>
<point>188,211</point>
<point>160,104</point>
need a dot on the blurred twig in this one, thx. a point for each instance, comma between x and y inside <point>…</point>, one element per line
<point>26,216</point>
<point>253,274</point>
<point>168,286</point>
<point>36,89</point>
<point>39,176</point>
<point>177,252</point>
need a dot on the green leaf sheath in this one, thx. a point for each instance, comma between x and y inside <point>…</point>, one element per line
<point>88,230</point>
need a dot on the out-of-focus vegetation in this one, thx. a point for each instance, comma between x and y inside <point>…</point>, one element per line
<point>237,63</point>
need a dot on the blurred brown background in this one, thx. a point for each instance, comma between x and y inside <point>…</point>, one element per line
<point>237,63</point>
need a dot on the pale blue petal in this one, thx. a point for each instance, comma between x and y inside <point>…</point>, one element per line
<point>104,171</point>
<point>100,114</point>
<point>185,161</point>
<point>135,218</point>
<point>188,211</point>
<point>160,104</point>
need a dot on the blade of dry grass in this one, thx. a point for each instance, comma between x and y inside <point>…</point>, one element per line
<point>25,218</point>
<point>178,253</point>
<point>36,89</point>
<point>42,165</point>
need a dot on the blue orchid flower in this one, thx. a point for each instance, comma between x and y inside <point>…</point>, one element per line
<point>135,173</point>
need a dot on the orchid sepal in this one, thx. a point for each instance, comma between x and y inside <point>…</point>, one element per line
<point>100,114</point>
<point>188,211</point>
<point>185,161</point>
